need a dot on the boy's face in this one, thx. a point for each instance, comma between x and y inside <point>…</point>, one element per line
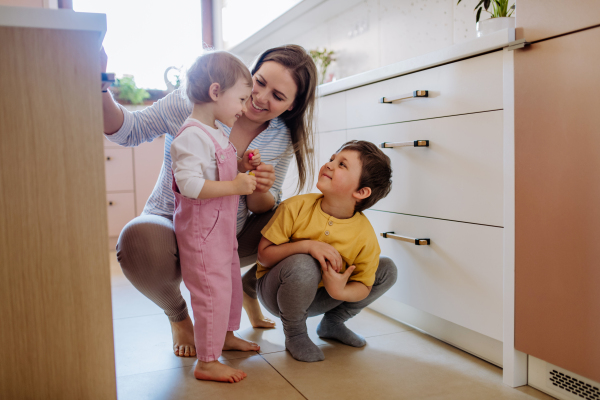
<point>341,175</point>
<point>231,104</point>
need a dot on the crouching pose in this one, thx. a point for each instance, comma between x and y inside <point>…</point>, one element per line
<point>319,254</point>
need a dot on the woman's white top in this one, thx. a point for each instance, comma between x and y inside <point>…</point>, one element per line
<point>166,116</point>
<point>193,155</point>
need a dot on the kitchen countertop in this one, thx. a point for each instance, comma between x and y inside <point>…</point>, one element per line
<point>492,42</point>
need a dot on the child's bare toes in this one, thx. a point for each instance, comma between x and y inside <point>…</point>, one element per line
<point>233,342</point>
<point>215,371</point>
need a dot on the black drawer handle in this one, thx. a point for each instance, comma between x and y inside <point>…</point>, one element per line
<point>111,203</point>
<point>416,93</point>
<point>414,143</point>
<point>418,242</point>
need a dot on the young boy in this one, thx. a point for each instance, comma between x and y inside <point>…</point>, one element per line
<point>319,253</point>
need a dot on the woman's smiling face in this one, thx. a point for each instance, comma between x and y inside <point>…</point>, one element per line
<point>273,92</point>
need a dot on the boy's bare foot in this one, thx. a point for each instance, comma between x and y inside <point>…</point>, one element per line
<point>215,371</point>
<point>233,342</point>
<point>257,319</point>
<point>183,338</point>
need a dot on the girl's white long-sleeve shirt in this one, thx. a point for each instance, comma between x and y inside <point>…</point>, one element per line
<point>166,116</point>
<point>193,157</point>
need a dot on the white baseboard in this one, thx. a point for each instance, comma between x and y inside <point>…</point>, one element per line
<point>541,372</point>
<point>458,336</point>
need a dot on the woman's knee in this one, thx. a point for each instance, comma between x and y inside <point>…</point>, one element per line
<point>148,240</point>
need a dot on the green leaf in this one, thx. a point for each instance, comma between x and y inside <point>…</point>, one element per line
<point>486,4</point>
<point>478,15</point>
<point>458,2</point>
<point>478,4</point>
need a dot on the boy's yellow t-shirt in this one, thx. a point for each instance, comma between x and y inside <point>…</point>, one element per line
<point>301,218</point>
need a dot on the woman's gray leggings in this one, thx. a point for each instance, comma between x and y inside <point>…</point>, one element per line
<point>147,252</point>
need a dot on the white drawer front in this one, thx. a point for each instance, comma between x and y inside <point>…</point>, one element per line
<point>458,277</point>
<point>458,177</point>
<point>462,87</point>
<point>331,113</point>
<point>121,210</point>
<point>119,169</point>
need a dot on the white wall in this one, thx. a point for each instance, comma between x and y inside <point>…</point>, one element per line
<point>394,30</point>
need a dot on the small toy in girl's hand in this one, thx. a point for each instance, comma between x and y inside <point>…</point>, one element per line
<point>251,173</point>
<point>250,160</point>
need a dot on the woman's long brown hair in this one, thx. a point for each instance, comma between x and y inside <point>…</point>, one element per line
<point>300,119</point>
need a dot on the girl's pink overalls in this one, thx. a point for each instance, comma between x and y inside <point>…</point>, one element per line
<point>206,237</point>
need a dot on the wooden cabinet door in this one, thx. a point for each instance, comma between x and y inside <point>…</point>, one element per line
<point>541,19</point>
<point>557,194</point>
<point>56,330</point>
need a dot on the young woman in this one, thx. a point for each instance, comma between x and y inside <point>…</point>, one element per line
<point>278,122</point>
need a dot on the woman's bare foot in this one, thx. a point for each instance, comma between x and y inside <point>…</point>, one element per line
<point>215,371</point>
<point>233,342</point>
<point>257,319</point>
<point>183,338</point>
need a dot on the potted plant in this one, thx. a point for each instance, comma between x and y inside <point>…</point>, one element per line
<point>501,16</point>
<point>322,60</point>
<point>127,91</point>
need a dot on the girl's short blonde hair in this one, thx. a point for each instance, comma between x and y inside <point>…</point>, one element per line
<point>213,67</point>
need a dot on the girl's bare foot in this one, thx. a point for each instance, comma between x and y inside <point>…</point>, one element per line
<point>183,338</point>
<point>257,319</point>
<point>215,371</point>
<point>233,342</point>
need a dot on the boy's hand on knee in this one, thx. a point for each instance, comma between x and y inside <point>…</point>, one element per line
<point>325,253</point>
<point>334,282</point>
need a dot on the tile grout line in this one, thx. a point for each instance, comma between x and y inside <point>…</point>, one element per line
<point>157,370</point>
<point>280,374</point>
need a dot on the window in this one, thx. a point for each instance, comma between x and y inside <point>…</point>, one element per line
<point>145,37</point>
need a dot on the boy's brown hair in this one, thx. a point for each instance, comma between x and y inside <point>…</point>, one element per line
<point>213,67</point>
<point>376,172</point>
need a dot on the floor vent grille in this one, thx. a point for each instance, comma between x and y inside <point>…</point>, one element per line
<point>574,386</point>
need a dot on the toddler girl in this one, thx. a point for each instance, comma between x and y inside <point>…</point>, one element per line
<point>207,184</point>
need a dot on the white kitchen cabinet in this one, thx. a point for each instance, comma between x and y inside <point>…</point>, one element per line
<point>468,86</point>
<point>131,174</point>
<point>457,177</point>
<point>330,113</point>
<point>460,287</point>
<point>458,277</point>
<point>119,169</point>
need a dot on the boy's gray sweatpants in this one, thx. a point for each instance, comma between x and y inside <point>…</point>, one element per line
<point>290,290</point>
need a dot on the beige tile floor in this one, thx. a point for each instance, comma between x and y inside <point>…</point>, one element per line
<point>397,363</point>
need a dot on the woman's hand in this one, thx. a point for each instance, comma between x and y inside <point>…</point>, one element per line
<point>265,177</point>
<point>113,116</point>
<point>326,255</point>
